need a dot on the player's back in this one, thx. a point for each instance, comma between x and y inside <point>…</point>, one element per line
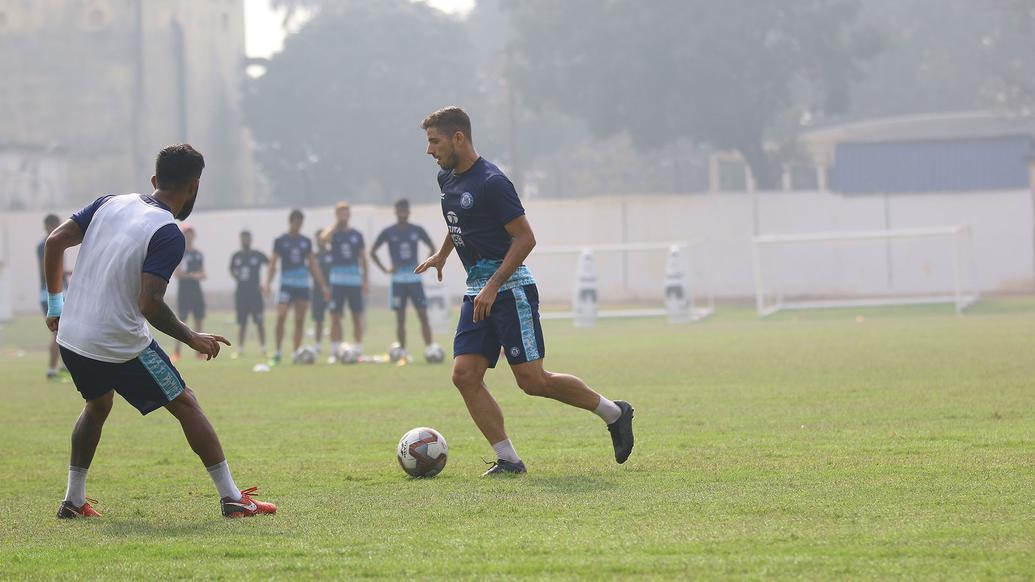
<point>101,318</point>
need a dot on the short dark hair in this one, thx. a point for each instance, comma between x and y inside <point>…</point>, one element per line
<point>178,165</point>
<point>449,120</point>
<point>246,232</point>
<point>51,220</point>
<point>296,214</point>
<point>402,203</point>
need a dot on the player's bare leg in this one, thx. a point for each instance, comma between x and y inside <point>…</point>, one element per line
<point>336,327</point>
<point>241,329</point>
<point>260,327</point>
<point>300,308</point>
<point>535,380</point>
<point>85,437</point>
<point>282,310</point>
<point>358,322</point>
<point>425,326</point>
<point>205,443</point>
<point>400,328</point>
<point>469,379</point>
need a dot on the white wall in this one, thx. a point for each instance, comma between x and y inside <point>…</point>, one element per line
<point>723,223</point>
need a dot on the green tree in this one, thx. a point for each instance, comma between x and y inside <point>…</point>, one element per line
<point>720,74</point>
<point>337,112</point>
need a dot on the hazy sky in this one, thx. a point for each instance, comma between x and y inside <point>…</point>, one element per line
<point>265,35</point>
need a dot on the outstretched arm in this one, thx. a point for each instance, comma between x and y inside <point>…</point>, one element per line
<point>152,304</point>
<point>437,260</point>
<point>63,238</point>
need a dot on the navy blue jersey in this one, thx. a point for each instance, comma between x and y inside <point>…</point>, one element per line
<point>245,267</point>
<point>294,251</point>
<point>403,248</point>
<point>193,262</point>
<point>477,205</point>
<point>346,248</point>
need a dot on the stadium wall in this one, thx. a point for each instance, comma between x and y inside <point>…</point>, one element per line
<point>722,224</point>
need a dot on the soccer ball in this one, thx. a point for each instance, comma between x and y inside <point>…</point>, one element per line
<point>396,352</point>
<point>347,354</point>
<point>305,355</point>
<point>433,354</point>
<point>422,452</point>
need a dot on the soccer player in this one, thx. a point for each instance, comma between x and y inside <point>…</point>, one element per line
<point>296,252</point>
<point>50,223</point>
<point>319,305</point>
<point>487,226</point>
<point>130,248</point>
<point>245,266</point>
<point>404,241</point>
<point>349,277</point>
<point>189,275</point>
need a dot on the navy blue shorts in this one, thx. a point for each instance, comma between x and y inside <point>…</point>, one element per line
<point>248,302</point>
<point>342,294</point>
<point>513,325</point>
<point>400,293</point>
<point>290,295</point>
<point>148,381</point>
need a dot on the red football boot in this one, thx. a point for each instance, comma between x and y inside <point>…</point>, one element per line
<point>69,511</point>
<point>246,506</point>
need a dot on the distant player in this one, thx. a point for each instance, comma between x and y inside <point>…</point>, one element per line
<point>189,298</point>
<point>130,248</point>
<point>488,229</point>
<point>245,268</point>
<point>318,305</point>
<point>349,276</point>
<point>295,251</point>
<point>50,223</point>
<point>404,241</point>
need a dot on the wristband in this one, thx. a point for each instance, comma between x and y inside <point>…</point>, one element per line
<point>55,303</point>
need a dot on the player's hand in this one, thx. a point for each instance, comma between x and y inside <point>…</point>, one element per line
<point>207,344</point>
<point>52,323</point>
<point>483,302</point>
<point>432,261</point>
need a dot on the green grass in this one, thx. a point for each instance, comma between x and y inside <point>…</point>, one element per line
<point>807,445</point>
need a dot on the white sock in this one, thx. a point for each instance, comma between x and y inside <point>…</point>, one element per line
<point>224,482</point>
<point>76,492</point>
<point>607,410</point>
<point>505,450</point>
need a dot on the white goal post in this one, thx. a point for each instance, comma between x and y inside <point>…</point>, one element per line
<point>678,291</point>
<point>957,280</point>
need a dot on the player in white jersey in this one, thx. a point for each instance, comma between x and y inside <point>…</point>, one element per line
<point>130,247</point>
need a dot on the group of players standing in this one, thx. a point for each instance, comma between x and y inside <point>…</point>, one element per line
<point>317,279</point>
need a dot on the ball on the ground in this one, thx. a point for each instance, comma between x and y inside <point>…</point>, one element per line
<point>347,354</point>
<point>305,355</point>
<point>422,452</point>
<point>396,352</point>
<point>434,354</point>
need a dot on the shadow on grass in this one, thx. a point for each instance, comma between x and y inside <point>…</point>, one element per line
<point>141,529</point>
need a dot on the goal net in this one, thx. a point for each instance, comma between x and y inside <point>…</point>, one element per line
<point>864,268</point>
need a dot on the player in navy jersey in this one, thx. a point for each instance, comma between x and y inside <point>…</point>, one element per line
<point>189,275</point>
<point>349,276</point>
<point>245,266</point>
<point>318,305</point>
<point>50,223</point>
<point>294,252</point>
<point>403,241</point>
<point>487,226</point>
<point>130,248</point>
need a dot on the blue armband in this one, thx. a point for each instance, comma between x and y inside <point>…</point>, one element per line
<point>55,303</point>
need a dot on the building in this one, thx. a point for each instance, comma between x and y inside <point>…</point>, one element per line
<point>947,152</point>
<point>94,88</point>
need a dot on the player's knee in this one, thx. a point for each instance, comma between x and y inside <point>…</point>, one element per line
<point>98,408</point>
<point>465,379</point>
<point>534,384</point>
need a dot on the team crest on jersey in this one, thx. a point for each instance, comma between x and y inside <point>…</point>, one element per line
<point>515,352</point>
<point>466,200</point>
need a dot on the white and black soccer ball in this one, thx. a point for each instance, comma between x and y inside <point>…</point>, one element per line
<point>434,354</point>
<point>347,354</point>
<point>305,355</point>
<point>422,452</point>
<point>396,352</point>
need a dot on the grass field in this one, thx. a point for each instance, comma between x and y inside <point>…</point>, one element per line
<point>804,446</point>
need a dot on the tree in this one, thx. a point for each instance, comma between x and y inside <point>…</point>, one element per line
<point>337,112</point>
<point>717,73</point>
